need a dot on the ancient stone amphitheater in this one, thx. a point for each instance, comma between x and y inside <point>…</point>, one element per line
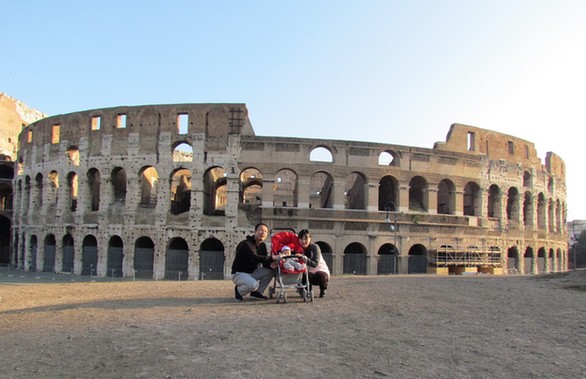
<point>167,191</point>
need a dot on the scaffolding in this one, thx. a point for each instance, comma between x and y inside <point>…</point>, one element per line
<point>447,256</point>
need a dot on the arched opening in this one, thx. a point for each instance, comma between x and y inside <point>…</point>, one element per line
<point>355,259</point>
<point>472,199</point>
<point>118,179</point>
<point>89,256</point>
<point>321,193</point>
<point>251,183</point>
<point>144,253</point>
<point>215,192</point>
<point>417,260</point>
<point>180,191</point>
<point>321,154</point>
<point>446,197</point>
<point>387,259</point>
<point>418,200</point>
<point>177,260</point>
<point>149,179</point>
<point>68,254</point>
<point>355,191</point>
<point>285,189</point>
<point>115,257</point>
<point>211,259</point>
<point>50,249</point>
<point>93,177</point>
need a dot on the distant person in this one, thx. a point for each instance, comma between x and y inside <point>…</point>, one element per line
<point>318,271</point>
<point>249,273</point>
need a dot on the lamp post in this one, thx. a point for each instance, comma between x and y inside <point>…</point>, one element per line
<point>393,228</point>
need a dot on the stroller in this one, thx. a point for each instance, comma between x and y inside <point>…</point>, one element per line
<point>287,277</point>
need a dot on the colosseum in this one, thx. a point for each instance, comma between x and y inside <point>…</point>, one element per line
<point>167,191</point>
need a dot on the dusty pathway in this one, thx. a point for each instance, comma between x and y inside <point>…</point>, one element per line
<point>367,327</point>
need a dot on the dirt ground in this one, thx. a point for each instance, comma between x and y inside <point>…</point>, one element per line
<point>475,326</point>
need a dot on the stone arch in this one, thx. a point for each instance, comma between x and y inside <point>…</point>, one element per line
<point>177,260</point>
<point>321,193</point>
<point>118,180</point>
<point>355,258</point>
<point>355,193</point>
<point>446,197</point>
<point>541,211</point>
<point>149,180</point>
<point>285,189</point>
<point>215,191</point>
<point>5,227</point>
<point>72,190</point>
<point>182,152</point>
<point>321,153</point>
<point>387,259</point>
<point>68,254</point>
<point>211,259</point>
<point>513,260</point>
<point>53,189</point>
<point>418,194</point>
<point>115,257</point>
<point>6,196</point>
<point>251,183</point>
<point>49,256</point>
<point>494,201</point>
<point>180,191</point>
<point>528,261</point>
<point>527,179</point>
<point>94,183</point>
<point>33,249</point>
<point>39,189</point>
<point>144,256</point>
<point>89,256</point>
<point>513,204</point>
<point>417,260</point>
<point>388,191</point>
<point>528,210</point>
<point>388,158</point>
<point>472,199</point>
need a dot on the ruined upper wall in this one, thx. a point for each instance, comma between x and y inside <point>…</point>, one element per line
<point>498,146</point>
<point>147,123</point>
<point>14,116</point>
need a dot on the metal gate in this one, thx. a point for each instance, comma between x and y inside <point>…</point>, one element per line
<point>33,266</point>
<point>177,264</point>
<point>417,264</point>
<point>329,259</point>
<point>49,261</point>
<point>211,265</point>
<point>387,264</point>
<point>143,262</point>
<point>540,265</point>
<point>355,264</point>
<point>68,253</point>
<point>512,266</point>
<point>89,260</point>
<point>115,257</point>
<point>528,263</point>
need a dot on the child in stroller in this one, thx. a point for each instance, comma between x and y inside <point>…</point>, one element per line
<point>290,270</point>
<point>290,263</point>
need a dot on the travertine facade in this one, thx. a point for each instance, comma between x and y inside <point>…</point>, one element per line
<point>14,116</point>
<point>167,191</point>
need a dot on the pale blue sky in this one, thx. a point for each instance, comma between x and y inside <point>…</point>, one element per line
<point>391,71</point>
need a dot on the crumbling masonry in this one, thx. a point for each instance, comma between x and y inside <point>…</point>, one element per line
<point>167,191</point>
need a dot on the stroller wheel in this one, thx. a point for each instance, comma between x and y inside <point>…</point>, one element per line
<point>271,292</point>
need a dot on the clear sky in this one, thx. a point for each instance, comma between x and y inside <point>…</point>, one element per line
<point>398,72</point>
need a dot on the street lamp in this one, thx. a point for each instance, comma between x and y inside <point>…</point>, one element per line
<point>392,227</point>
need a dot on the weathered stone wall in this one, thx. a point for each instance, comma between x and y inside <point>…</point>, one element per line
<point>122,199</point>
